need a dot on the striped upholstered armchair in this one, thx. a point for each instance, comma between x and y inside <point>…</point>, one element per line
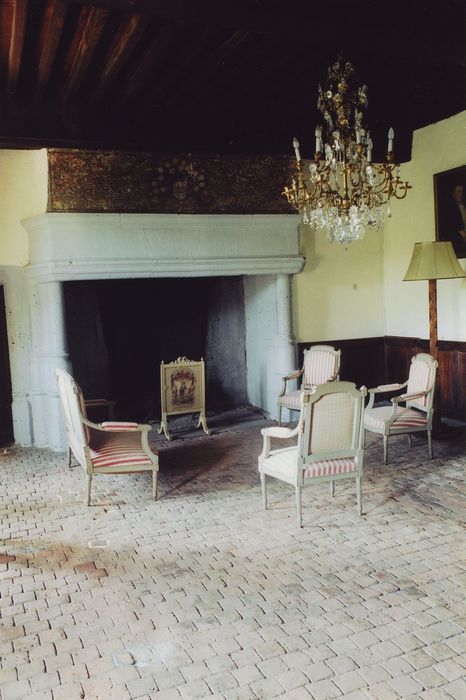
<point>417,413</point>
<point>103,448</point>
<point>321,364</point>
<point>330,442</point>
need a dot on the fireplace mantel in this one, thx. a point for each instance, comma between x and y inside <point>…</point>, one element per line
<point>118,246</point>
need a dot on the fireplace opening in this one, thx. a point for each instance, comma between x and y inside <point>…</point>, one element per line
<point>119,331</point>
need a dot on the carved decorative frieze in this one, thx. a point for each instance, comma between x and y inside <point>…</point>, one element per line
<point>113,181</point>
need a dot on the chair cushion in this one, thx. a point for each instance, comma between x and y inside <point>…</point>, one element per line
<point>291,400</point>
<point>117,449</point>
<point>282,463</point>
<point>406,418</point>
<point>329,467</point>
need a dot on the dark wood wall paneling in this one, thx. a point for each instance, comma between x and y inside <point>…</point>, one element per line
<point>386,359</point>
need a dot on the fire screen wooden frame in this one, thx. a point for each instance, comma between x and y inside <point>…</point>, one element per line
<point>182,390</point>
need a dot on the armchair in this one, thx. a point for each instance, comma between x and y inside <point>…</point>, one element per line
<point>418,411</point>
<point>330,442</point>
<point>321,364</point>
<point>103,448</point>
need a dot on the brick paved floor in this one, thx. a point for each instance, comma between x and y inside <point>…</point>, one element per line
<point>204,594</point>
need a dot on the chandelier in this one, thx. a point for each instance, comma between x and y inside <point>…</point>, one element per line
<point>341,190</point>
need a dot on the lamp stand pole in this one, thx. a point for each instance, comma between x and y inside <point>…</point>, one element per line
<point>433,349</point>
<point>433,319</point>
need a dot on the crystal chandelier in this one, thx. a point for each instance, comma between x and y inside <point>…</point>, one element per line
<point>342,190</point>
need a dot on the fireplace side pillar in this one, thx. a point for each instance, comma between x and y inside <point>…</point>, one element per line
<point>269,342</point>
<point>49,351</point>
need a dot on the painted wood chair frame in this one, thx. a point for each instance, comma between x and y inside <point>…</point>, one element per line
<point>104,448</point>
<point>416,415</point>
<point>321,364</point>
<point>329,447</point>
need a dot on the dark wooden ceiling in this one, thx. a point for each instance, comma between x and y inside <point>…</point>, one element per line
<point>220,76</point>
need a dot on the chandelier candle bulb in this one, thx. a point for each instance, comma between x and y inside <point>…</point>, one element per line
<point>343,192</point>
<point>296,149</point>
<point>391,136</point>
<point>318,134</point>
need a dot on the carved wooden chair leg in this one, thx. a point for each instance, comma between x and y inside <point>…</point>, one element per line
<point>359,494</point>
<point>264,490</point>
<point>89,483</point>
<point>299,506</point>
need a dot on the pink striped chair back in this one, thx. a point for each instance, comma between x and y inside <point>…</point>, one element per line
<point>321,364</point>
<point>73,409</point>
<point>422,378</point>
<point>332,422</point>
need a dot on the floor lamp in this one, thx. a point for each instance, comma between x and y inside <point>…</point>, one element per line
<point>433,261</point>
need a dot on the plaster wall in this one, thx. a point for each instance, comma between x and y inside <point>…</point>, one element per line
<point>23,193</point>
<point>339,294</point>
<point>436,148</point>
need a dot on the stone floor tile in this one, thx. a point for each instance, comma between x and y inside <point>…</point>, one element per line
<point>323,690</point>
<point>194,689</point>
<point>68,691</point>
<point>405,685</point>
<point>348,682</point>
<point>15,690</point>
<point>382,691</point>
<point>300,693</point>
<point>292,679</point>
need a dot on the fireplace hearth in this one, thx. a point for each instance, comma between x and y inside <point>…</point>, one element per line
<point>119,331</point>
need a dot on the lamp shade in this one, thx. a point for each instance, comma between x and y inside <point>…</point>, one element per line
<point>435,260</point>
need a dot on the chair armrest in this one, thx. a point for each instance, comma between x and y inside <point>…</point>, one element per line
<point>389,387</point>
<point>409,397</point>
<point>98,402</point>
<point>277,432</point>
<point>117,427</point>
<point>381,389</point>
<point>294,374</point>
<point>280,432</point>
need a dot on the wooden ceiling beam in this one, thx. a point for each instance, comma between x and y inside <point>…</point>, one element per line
<point>144,72</point>
<point>128,35</point>
<point>50,35</point>
<point>188,53</point>
<point>13,14</point>
<point>308,26</point>
<point>212,64</point>
<point>251,62</point>
<point>88,32</point>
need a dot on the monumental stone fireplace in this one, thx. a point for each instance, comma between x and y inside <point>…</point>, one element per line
<point>260,251</point>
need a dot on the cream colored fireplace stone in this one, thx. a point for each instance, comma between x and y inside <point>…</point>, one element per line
<point>262,248</point>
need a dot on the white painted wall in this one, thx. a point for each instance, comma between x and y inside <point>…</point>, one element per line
<point>436,148</point>
<point>339,294</point>
<point>23,192</point>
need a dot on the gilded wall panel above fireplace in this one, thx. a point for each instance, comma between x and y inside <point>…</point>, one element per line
<point>111,181</point>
